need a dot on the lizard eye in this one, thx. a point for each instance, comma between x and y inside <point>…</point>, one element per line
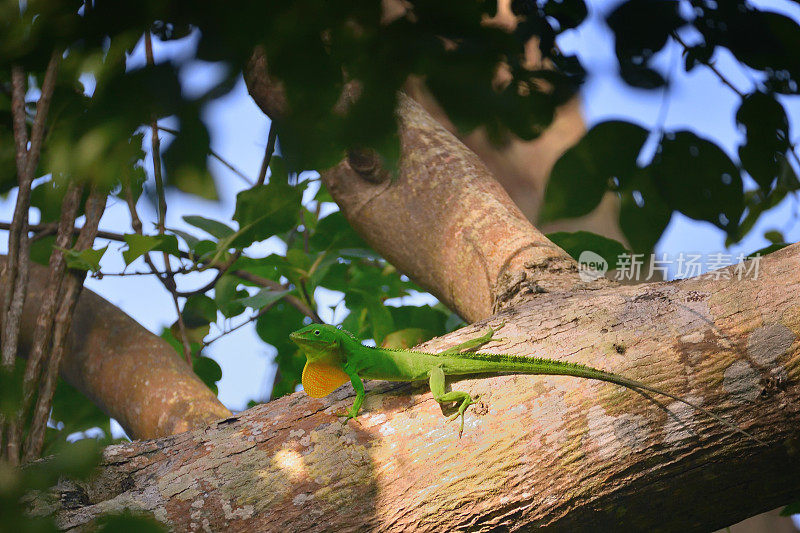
<point>316,332</point>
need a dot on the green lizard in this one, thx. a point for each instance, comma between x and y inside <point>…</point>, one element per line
<point>335,356</point>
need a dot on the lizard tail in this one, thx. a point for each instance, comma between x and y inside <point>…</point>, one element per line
<point>533,365</point>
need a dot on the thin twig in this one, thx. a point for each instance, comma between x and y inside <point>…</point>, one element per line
<point>710,65</point>
<point>238,326</point>
<point>44,321</point>
<point>50,228</point>
<point>221,271</point>
<point>295,302</point>
<point>271,137</point>
<point>169,280</point>
<point>71,288</point>
<point>16,269</point>
<point>42,106</point>
<point>216,156</point>
<point>304,291</point>
<point>15,275</point>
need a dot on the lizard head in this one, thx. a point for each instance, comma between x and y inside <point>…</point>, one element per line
<point>322,344</point>
<point>319,341</point>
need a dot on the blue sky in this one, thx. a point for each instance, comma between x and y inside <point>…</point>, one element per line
<point>239,131</point>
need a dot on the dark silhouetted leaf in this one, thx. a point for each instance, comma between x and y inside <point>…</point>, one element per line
<point>767,138</point>
<point>698,179</point>
<point>607,152</point>
<point>643,215</point>
<point>185,159</point>
<point>574,243</point>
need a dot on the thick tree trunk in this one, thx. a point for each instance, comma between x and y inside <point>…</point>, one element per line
<point>558,453</point>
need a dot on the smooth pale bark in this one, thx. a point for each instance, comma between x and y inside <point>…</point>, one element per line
<point>446,223</point>
<point>443,220</point>
<point>558,453</point>
<point>133,375</point>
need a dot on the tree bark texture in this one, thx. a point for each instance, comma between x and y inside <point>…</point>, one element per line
<point>444,220</point>
<point>447,224</point>
<point>133,375</point>
<point>558,453</point>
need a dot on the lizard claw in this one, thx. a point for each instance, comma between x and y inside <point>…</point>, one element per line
<point>346,413</point>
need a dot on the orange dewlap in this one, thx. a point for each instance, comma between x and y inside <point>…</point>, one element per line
<point>320,379</point>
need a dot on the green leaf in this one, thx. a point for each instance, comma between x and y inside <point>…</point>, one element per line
<point>129,521</point>
<point>195,336</point>
<point>226,296</point>
<point>77,460</point>
<point>403,339</point>
<point>190,240</point>
<point>360,253</point>
<point>263,298</point>
<point>273,327</point>
<point>323,195</point>
<point>643,215</point>
<point>791,509</point>
<point>587,170</point>
<point>774,247</point>
<point>208,371</point>
<point>774,236</point>
<point>698,179</point>
<point>298,259</point>
<point>577,242</point>
<point>199,310</point>
<point>48,197</point>
<point>767,137</point>
<point>377,316</point>
<point>88,259</point>
<point>266,210</point>
<point>334,231</point>
<point>42,248</point>
<point>138,245</point>
<point>320,268</point>
<point>11,387</point>
<point>269,267</point>
<point>425,317</point>
<point>205,248</point>
<point>76,411</point>
<point>212,227</point>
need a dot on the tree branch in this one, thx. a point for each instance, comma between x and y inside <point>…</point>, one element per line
<point>445,221</point>
<point>547,452</point>
<point>131,374</point>
<point>68,299</point>
<point>447,224</point>
<point>15,271</point>
<point>43,334</point>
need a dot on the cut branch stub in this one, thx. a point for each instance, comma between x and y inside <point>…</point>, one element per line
<point>445,222</point>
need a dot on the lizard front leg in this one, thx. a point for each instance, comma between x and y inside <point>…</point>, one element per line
<point>439,394</point>
<point>358,385</point>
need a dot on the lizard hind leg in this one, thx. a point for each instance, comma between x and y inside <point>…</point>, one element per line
<point>439,394</point>
<point>474,343</point>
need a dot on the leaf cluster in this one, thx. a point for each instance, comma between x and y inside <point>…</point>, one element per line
<point>688,173</point>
